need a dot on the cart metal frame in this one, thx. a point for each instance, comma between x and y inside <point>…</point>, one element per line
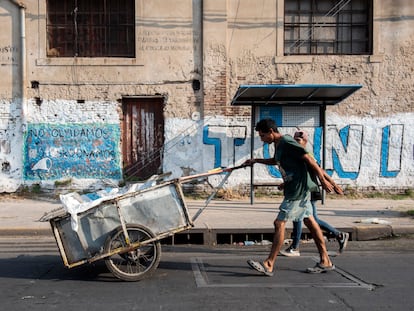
<point>137,212</point>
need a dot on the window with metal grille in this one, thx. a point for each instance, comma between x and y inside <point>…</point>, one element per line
<point>328,27</point>
<point>90,28</point>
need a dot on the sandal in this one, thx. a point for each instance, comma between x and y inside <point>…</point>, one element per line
<point>320,269</point>
<point>259,267</point>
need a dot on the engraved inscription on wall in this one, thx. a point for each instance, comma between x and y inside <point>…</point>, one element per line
<point>8,55</point>
<point>166,40</point>
<point>9,71</point>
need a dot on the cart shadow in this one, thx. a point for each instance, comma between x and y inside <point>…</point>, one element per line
<point>50,267</point>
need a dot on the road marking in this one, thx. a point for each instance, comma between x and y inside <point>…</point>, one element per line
<point>202,279</point>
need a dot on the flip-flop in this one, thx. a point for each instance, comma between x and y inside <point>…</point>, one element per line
<point>259,267</point>
<point>320,269</point>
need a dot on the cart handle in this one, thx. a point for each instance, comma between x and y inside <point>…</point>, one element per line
<point>215,171</point>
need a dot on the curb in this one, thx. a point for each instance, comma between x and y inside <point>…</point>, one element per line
<point>372,232</point>
<point>402,230</point>
<point>217,236</point>
<point>26,232</point>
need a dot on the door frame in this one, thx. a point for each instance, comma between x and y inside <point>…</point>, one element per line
<point>130,166</point>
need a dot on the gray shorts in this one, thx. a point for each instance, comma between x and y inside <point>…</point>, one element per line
<point>295,210</point>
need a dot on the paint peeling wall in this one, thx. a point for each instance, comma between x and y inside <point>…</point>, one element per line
<point>58,151</point>
<point>67,140</point>
<point>11,138</point>
<point>369,142</point>
<point>67,127</point>
<point>361,152</point>
<point>11,125</point>
<point>195,54</point>
<point>372,152</point>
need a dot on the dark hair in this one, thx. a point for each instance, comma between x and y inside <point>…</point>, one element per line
<point>265,125</point>
<point>301,134</point>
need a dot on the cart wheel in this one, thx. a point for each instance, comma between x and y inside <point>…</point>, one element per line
<point>138,263</point>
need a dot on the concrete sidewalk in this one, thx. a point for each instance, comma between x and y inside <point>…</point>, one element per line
<point>364,219</point>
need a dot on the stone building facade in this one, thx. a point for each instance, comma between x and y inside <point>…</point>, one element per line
<point>94,92</point>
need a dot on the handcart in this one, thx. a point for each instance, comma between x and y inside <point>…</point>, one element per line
<point>126,230</point>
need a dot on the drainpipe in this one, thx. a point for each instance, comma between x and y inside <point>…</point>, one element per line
<point>22,24</point>
<point>201,55</point>
<point>22,49</point>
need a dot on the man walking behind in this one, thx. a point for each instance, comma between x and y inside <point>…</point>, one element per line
<point>293,162</point>
<point>342,237</point>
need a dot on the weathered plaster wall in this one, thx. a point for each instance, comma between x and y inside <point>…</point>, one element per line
<point>166,64</point>
<point>11,132</point>
<point>70,133</point>
<point>374,153</point>
<point>67,140</point>
<point>247,44</point>
<point>221,44</point>
<point>11,128</point>
<point>255,56</point>
<point>10,64</point>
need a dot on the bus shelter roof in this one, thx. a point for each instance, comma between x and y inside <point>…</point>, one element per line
<point>293,94</point>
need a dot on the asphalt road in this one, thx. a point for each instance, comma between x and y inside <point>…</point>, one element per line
<point>370,275</point>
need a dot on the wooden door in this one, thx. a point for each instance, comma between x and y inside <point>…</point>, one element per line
<point>142,137</point>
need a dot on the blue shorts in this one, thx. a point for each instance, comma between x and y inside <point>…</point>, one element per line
<point>295,210</point>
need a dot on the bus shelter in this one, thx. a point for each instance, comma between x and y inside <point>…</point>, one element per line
<point>291,105</point>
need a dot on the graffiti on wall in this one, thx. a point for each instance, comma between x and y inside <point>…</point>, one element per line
<point>55,151</point>
<point>5,147</point>
<point>391,150</point>
<point>217,136</point>
<point>347,149</point>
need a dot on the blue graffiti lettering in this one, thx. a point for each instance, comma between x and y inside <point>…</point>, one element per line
<point>239,142</point>
<point>272,112</point>
<point>385,153</point>
<point>216,142</point>
<point>237,135</point>
<point>339,170</point>
<point>317,144</point>
<point>272,170</point>
<point>76,150</point>
<point>343,135</point>
<point>347,135</point>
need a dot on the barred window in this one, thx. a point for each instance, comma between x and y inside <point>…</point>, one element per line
<point>90,28</point>
<point>315,27</point>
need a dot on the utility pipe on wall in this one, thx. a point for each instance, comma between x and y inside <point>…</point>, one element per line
<point>23,49</point>
<point>22,24</point>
